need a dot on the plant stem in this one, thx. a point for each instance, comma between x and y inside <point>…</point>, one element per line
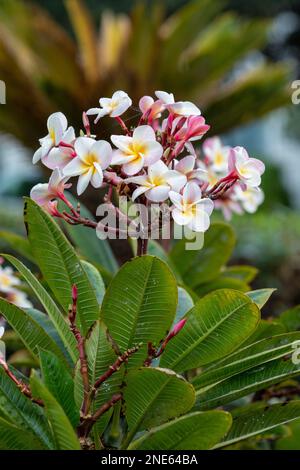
<point>21,386</point>
<point>142,246</point>
<point>85,428</point>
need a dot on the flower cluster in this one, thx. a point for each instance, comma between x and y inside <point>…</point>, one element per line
<point>10,287</point>
<point>154,161</point>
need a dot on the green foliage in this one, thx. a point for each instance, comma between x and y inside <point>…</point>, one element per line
<point>118,378</point>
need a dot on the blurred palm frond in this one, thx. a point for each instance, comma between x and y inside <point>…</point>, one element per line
<point>196,53</point>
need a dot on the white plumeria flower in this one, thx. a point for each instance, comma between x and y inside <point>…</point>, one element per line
<point>92,157</point>
<point>44,193</point>
<point>190,209</point>
<point>114,106</point>
<point>8,280</point>
<point>58,131</point>
<point>157,184</point>
<point>186,166</point>
<point>142,149</point>
<point>145,103</point>
<point>19,299</point>
<point>217,154</point>
<point>249,199</point>
<point>180,108</point>
<point>60,156</point>
<point>248,170</point>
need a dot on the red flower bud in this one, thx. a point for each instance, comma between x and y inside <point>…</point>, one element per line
<point>74,293</point>
<point>176,329</point>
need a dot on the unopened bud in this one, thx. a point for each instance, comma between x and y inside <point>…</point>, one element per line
<point>86,124</point>
<point>74,293</point>
<point>176,329</point>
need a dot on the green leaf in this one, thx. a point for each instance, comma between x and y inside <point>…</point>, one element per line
<point>259,418</point>
<point>290,319</point>
<point>243,273</point>
<point>215,326</point>
<point>246,358</point>
<point>140,304</point>
<point>14,438</point>
<point>195,431</point>
<point>260,296</point>
<point>89,245</point>
<point>30,332</point>
<point>198,267</point>
<point>291,441</point>
<point>221,282</point>
<point>155,249</point>
<point>23,412</point>
<point>59,382</point>
<point>153,396</point>
<point>60,265</point>
<point>50,306</point>
<point>18,244</point>
<point>95,279</point>
<point>249,381</point>
<point>63,432</point>
<point>266,329</point>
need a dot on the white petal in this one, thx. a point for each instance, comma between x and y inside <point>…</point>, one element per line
<point>93,111</point>
<point>122,142</point>
<point>184,108</point>
<point>145,103</point>
<point>153,152</point>
<point>2,330</point>
<point>158,194</point>
<point>57,125</point>
<point>83,146</point>
<point>57,158</point>
<point>192,193</point>
<point>69,136</point>
<point>103,151</point>
<point>176,199</point>
<point>132,168</point>
<point>138,192</point>
<point>157,169</point>
<point>105,103</point>
<point>120,158</point>
<point>141,180</point>
<point>206,205</point>
<point>186,164</point>
<point>181,218</point>
<point>40,194</point>
<point>175,179</point>
<point>37,155</point>
<point>74,168</point>
<point>124,104</point>
<point>97,177</point>
<point>83,181</point>
<point>143,134</point>
<point>46,146</point>
<point>200,222</point>
<point>167,98</point>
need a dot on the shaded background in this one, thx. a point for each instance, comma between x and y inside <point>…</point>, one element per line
<point>235,59</point>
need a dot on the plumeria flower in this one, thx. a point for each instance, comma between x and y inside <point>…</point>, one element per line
<point>58,131</point>
<point>217,154</point>
<point>92,158</point>
<point>250,199</point>
<point>44,194</point>
<point>181,108</point>
<point>114,106</point>
<point>186,166</point>
<point>8,280</point>
<point>19,299</point>
<point>190,209</point>
<point>157,184</point>
<point>145,103</point>
<point>137,151</point>
<point>60,156</point>
<point>248,170</point>
<point>193,129</point>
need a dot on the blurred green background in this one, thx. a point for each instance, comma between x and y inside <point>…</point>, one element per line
<point>235,59</point>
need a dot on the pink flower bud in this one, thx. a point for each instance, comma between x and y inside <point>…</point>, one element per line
<point>178,327</point>
<point>74,293</point>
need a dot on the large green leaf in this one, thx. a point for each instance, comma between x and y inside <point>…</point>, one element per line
<point>241,272</point>
<point>265,329</point>
<point>60,265</point>
<point>153,396</point>
<point>197,267</point>
<point>29,330</point>
<point>23,412</point>
<point>59,382</point>
<point>215,326</point>
<point>259,418</point>
<point>249,381</point>
<point>50,306</point>
<point>62,429</point>
<point>89,245</point>
<point>250,356</point>
<point>14,438</point>
<point>140,304</point>
<point>221,282</point>
<point>95,279</point>
<point>195,431</point>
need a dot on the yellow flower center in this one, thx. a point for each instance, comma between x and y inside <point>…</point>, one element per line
<point>5,280</point>
<point>219,158</point>
<point>136,150</point>
<point>90,159</point>
<point>52,135</point>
